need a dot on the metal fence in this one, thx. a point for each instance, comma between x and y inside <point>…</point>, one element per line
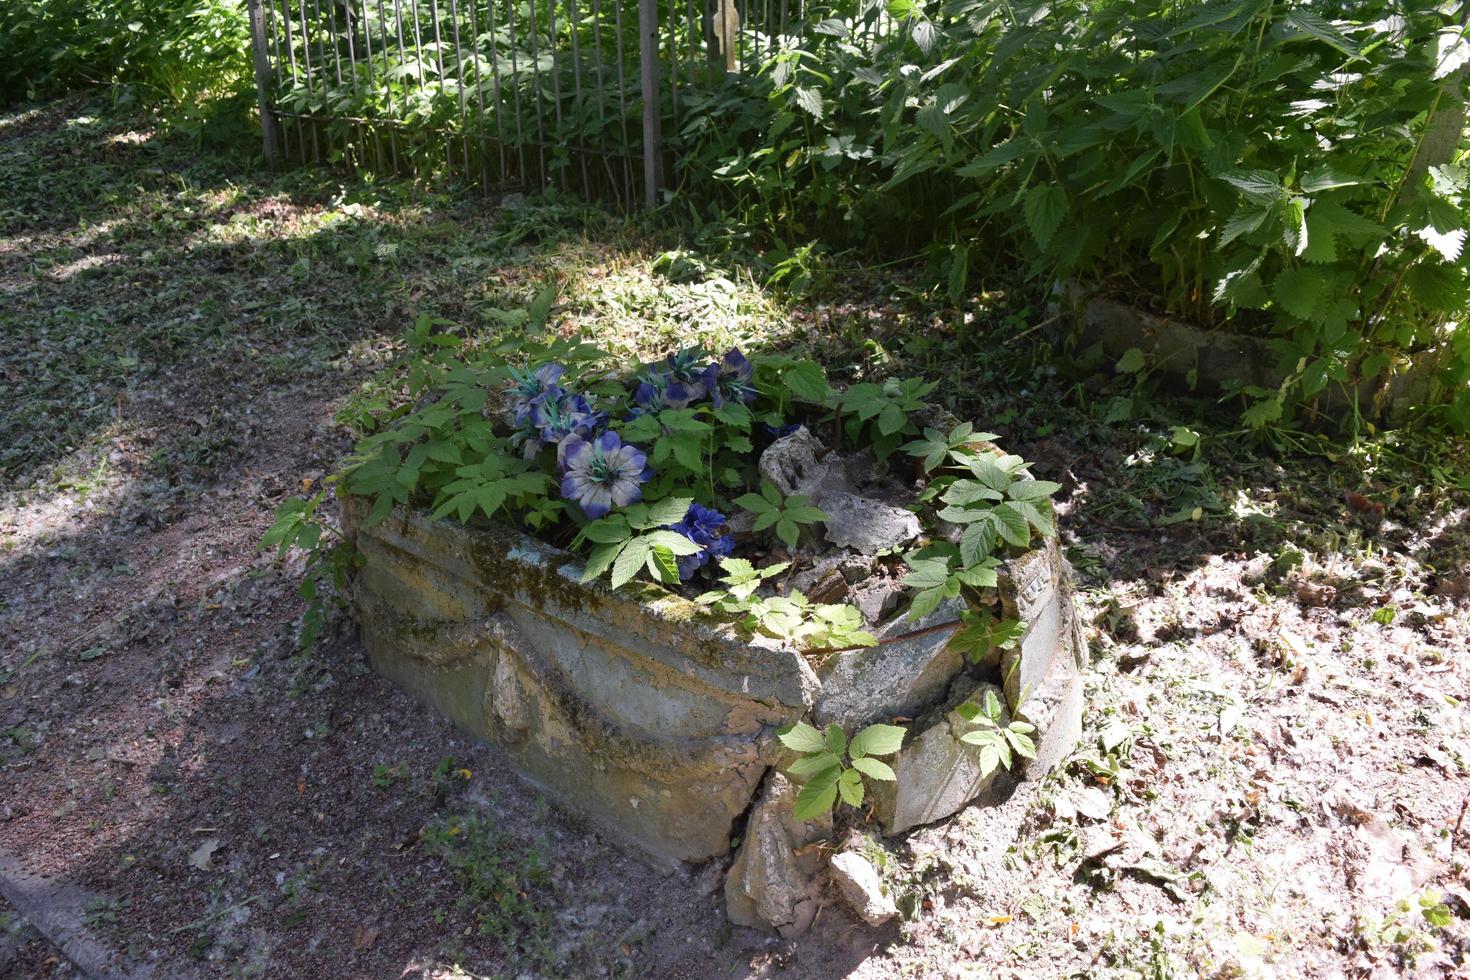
<point>526,93</point>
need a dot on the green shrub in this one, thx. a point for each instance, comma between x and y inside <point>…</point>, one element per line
<point>1288,168</point>
<point>188,58</point>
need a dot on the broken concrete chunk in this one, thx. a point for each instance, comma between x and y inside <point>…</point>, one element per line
<point>876,598</point>
<point>937,773</point>
<point>773,883</point>
<point>1043,673</point>
<point>866,525</point>
<point>792,463</point>
<point>858,883</point>
<point>897,677</point>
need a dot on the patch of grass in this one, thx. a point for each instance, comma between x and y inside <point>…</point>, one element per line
<point>504,885</point>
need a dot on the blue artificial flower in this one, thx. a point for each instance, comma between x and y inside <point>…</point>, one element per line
<point>559,413</point>
<point>656,392</point>
<point>732,379</point>
<point>688,368</point>
<point>602,473</point>
<point>528,386</point>
<point>675,382</point>
<point>702,525</point>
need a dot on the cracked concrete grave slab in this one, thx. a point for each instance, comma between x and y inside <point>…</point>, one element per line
<point>657,720</point>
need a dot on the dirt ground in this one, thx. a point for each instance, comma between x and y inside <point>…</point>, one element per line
<point>1273,775</point>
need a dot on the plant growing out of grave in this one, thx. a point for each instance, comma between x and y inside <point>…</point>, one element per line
<point>998,744</point>
<point>785,514</point>
<point>638,468</point>
<point>793,618</point>
<point>827,776</point>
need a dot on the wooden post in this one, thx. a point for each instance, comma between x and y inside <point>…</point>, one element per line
<point>652,120</point>
<point>260,49</point>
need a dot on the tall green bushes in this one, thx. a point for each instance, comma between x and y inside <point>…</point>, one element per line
<point>1291,168</point>
<point>189,58</point>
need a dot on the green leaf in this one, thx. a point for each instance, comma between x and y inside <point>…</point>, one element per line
<point>601,559</point>
<point>810,765</point>
<point>877,740</point>
<point>1246,219</point>
<point>1301,292</point>
<point>1032,489</point>
<point>926,573</point>
<point>807,514</point>
<point>753,502</point>
<point>670,510</point>
<point>788,532</point>
<point>1037,513</point>
<point>1327,177</point>
<point>807,381</point>
<point>980,576</point>
<point>836,740</point>
<point>1012,525</point>
<point>1044,208</point>
<point>891,419</point>
<point>671,541</point>
<point>818,795</point>
<point>874,769</point>
<point>607,530</point>
<point>810,100</point>
<point>663,565</point>
<point>1312,26</point>
<point>803,738</point>
<point>1259,186</point>
<point>978,542</point>
<point>966,492</point>
<point>627,565</point>
<point>850,785</point>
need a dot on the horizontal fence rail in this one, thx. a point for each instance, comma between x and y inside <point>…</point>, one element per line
<point>509,93</point>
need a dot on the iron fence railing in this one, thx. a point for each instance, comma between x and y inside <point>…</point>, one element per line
<point>510,92</point>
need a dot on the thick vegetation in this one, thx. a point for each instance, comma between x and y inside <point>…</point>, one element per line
<point>1288,168</point>
<point>189,58</point>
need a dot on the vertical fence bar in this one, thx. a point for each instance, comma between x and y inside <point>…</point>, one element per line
<point>652,121</point>
<point>278,62</point>
<point>674,59</point>
<point>497,99</point>
<point>515,88</point>
<point>387,39</point>
<point>350,150</point>
<point>536,83</point>
<point>556,74</point>
<point>290,44</point>
<point>261,57</point>
<point>316,150</point>
<point>459,77</point>
<point>479,97</point>
<point>577,88</point>
<point>623,97</point>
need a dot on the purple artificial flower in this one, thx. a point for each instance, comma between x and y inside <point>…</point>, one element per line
<point>702,525</point>
<point>731,379</point>
<point>656,392</point>
<point>560,413</point>
<point>602,473</point>
<point>688,368</point>
<point>528,386</point>
<point>675,382</point>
